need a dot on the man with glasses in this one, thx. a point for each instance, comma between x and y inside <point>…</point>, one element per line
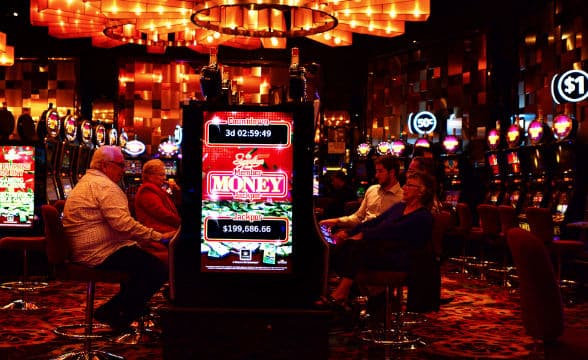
<point>102,233</point>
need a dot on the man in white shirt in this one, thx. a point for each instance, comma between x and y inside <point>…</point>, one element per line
<point>103,235</point>
<point>378,198</point>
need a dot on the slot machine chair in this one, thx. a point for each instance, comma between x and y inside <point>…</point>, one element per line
<point>490,225</point>
<point>541,225</point>
<point>57,255</point>
<point>423,283</point>
<point>467,233</point>
<point>542,307</point>
<point>24,286</point>
<point>508,220</point>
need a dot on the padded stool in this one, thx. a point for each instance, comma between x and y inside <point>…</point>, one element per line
<point>394,333</point>
<point>24,286</point>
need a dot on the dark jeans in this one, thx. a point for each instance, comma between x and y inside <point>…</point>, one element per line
<point>146,276</point>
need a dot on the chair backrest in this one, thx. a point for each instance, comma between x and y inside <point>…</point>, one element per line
<point>440,225</point>
<point>540,223</point>
<point>57,246</point>
<point>489,219</point>
<point>508,218</point>
<point>464,216</point>
<point>541,302</point>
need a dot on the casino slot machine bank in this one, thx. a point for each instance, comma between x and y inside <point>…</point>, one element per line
<point>247,264</point>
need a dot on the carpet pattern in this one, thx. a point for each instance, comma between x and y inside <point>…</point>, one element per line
<point>482,322</point>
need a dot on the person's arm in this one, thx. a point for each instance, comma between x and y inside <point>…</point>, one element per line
<point>151,203</point>
<point>358,216</point>
<point>412,230</point>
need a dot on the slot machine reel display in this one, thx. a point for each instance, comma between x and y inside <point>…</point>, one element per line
<point>68,155</point>
<point>451,161</point>
<point>514,194</point>
<point>52,150</point>
<point>565,171</point>
<point>539,159</point>
<point>494,164</point>
<point>85,150</point>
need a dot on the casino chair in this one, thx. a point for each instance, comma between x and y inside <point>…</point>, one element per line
<point>24,286</point>
<point>423,283</point>
<point>57,255</point>
<point>468,234</point>
<point>542,308</point>
<point>490,235</point>
<point>508,220</point>
<point>541,225</point>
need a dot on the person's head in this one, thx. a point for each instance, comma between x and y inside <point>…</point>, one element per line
<point>110,161</point>
<point>338,180</point>
<point>419,189</point>
<point>154,172</point>
<point>422,164</point>
<point>387,168</point>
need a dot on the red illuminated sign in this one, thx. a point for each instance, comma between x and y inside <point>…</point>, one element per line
<point>513,135</point>
<point>383,148</point>
<point>422,142</point>
<point>562,126</point>
<point>450,143</point>
<point>363,149</point>
<point>398,147</point>
<point>493,139</point>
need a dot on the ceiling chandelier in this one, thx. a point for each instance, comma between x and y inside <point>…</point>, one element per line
<point>246,24</point>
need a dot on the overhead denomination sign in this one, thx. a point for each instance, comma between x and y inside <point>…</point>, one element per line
<point>570,86</point>
<point>422,123</point>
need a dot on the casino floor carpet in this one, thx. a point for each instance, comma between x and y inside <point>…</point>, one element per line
<point>481,322</point>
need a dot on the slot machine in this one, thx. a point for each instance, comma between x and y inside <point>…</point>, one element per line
<point>399,149</point>
<point>514,194</point>
<point>564,177</point>
<point>68,154</point>
<point>85,150</point>
<point>22,189</point>
<point>363,169</point>
<point>247,253</point>
<point>422,147</point>
<point>52,143</point>
<point>134,157</point>
<point>495,167</point>
<point>451,159</point>
<point>539,161</point>
<point>169,152</point>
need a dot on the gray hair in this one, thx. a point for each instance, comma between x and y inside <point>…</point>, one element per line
<point>104,154</point>
<point>151,167</point>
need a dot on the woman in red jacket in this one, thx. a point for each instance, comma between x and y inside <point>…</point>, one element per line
<point>154,207</point>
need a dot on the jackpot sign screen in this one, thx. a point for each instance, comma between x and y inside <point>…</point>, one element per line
<point>17,186</point>
<point>247,168</point>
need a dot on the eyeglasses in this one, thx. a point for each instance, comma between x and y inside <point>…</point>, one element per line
<point>119,164</point>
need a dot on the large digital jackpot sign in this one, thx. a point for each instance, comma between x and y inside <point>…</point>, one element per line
<point>247,170</point>
<point>17,186</point>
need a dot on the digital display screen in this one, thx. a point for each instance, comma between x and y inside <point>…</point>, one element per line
<point>247,169</point>
<point>65,160</point>
<point>66,186</point>
<point>171,168</point>
<point>451,167</point>
<point>452,197</point>
<point>565,158</point>
<point>51,190</point>
<point>514,164</point>
<point>51,150</point>
<point>17,186</point>
<point>133,167</point>
<point>493,164</point>
<point>536,163</point>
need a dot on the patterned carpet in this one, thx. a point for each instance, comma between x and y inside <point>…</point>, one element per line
<point>482,322</point>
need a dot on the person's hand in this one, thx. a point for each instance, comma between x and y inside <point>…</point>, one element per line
<point>329,222</point>
<point>173,186</point>
<point>166,237</point>
<point>340,235</point>
<point>357,236</point>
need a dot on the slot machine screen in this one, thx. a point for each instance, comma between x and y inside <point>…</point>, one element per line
<point>133,167</point>
<point>536,163</point>
<point>247,170</point>
<point>494,197</point>
<point>66,186</point>
<point>452,197</point>
<point>171,168</point>
<point>17,186</point>
<point>493,164</point>
<point>537,198</point>
<point>451,167</point>
<point>51,149</point>
<point>514,164</point>
<point>65,160</point>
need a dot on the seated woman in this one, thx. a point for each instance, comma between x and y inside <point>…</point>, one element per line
<point>388,241</point>
<point>154,207</point>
